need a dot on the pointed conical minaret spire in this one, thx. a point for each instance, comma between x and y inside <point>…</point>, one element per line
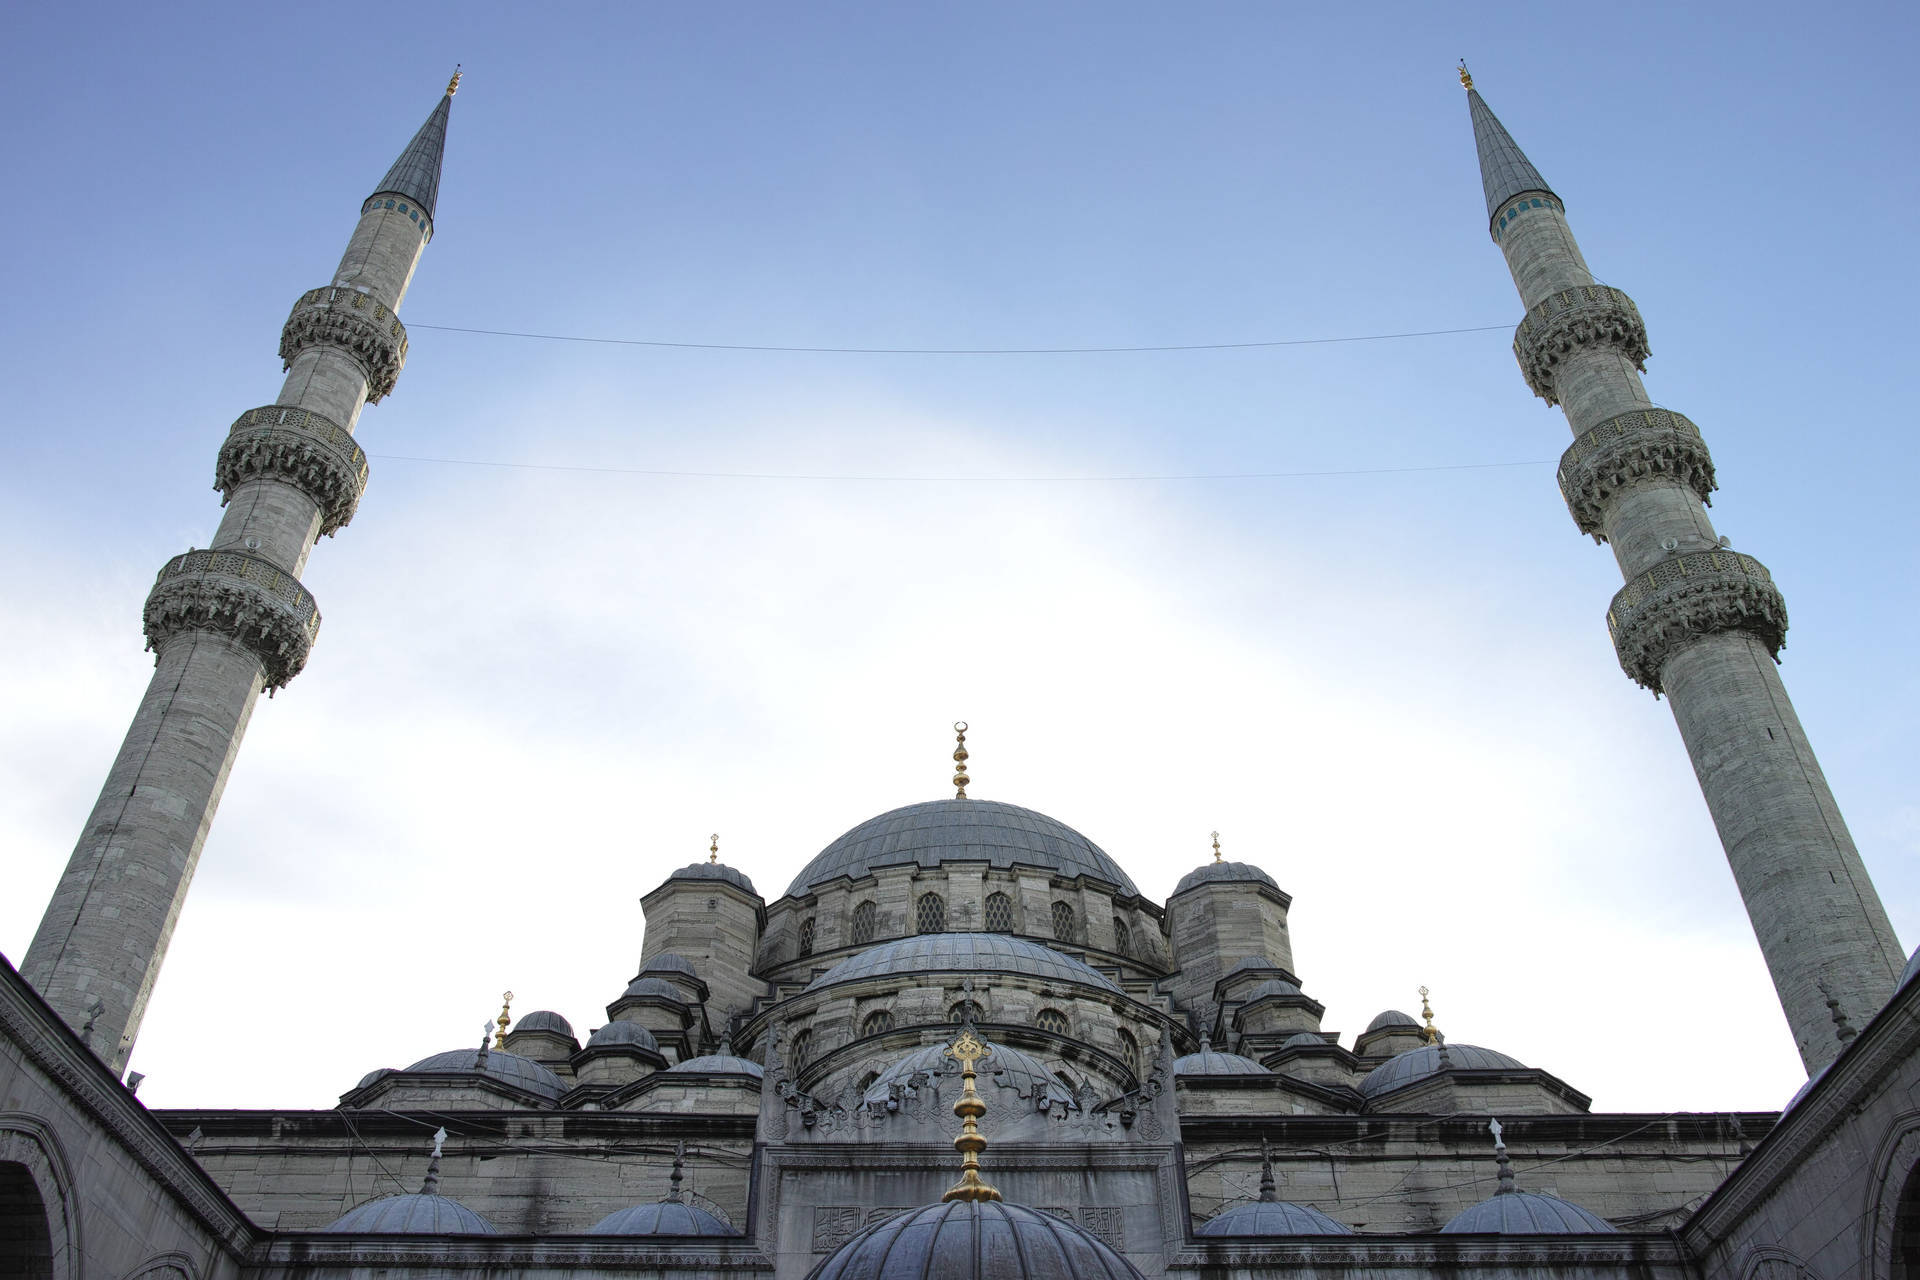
<point>228,622</point>
<point>1697,622</point>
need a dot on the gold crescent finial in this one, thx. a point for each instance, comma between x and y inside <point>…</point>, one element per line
<point>1426,1011</point>
<point>1466,76</point>
<point>500,1036</point>
<point>960,765</point>
<point>967,1051</point>
<point>1216,846</point>
<point>453,85</point>
<point>713,847</point>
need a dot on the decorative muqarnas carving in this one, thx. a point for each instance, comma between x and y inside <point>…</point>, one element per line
<point>310,452</point>
<point>1629,449</point>
<point>1574,318</point>
<point>240,595</point>
<point>1685,597</point>
<point>353,322</point>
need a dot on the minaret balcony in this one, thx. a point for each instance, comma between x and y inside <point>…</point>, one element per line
<point>354,322</point>
<point>298,447</point>
<point>1687,597</point>
<point>246,598</point>
<point>1641,446</point>
<point>1588,315</point>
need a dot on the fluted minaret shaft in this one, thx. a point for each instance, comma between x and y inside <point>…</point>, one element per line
<point>1695,621</point>
<point>232,620</point>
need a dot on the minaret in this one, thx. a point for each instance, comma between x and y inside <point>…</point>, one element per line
<point>1695,621</point>
<point>232,620</point>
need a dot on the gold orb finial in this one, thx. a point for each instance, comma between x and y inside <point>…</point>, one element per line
<point>1216,846</point>
<point>1426,1011</point>
<point>967,1051</point>
<point>960,762</point>
<point>1466,76</point>
<point>713,847</point>
<point>453,85</point>
<point>500,1036</point>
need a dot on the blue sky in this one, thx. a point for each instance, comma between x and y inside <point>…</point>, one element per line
<point>537,691</point>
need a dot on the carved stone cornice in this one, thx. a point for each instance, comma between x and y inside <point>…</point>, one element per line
<point>350,321</point>
<point>1630,449</point>
<point>1583,316</point>
<point>1688,596</point>
<point>239,595</point>
<point>314,454</point>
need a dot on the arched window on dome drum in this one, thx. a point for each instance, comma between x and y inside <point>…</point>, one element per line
<point>1122,940</point>
<point>1063,921</point>
<point>1052,1020</point>
<point>863,924</point>
<point>1130,1052</point>
<point>877,1023</point>
<point>999,913</point>
<point>800,1048</point>
<point>930,913</point>
<point>964,1012</point>
<point>806,936</point>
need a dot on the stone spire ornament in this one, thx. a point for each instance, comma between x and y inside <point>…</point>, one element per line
<point>1269,1191</point>
<point>960,760</point>
<point>1695,622</point>
<point>1500,1158</point>
<point>679,1173</point>
<point>486,1037</point>
<point>230,622</point>
<point>967,1051</point>
<point>500,1036</point>
<point>430,1185</point>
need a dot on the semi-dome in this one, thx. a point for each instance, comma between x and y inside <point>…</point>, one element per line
<point>719,1064</point>
<point>1272,1218</point>
<point>1211,1062</point>
<point>508,1068</point>
<point>715,871</point>
<point>975,1240</point>
<point>962,953</point>
<point>668,1218</point>
<point>648,985</point>
<point>1001,835</point>
<point>419,1214</point>
<point>1224,873</point>
<point>1527,1213</point>
<point>1393,1018</point>
<point>623,1035</point>
<point>1026,1075</point>
<point>545,1020</point>
<point>670,962</point>
<point>1417,1064</point>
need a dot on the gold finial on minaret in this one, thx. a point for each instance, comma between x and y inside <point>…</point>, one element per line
<point>968,1050</point>
<point>500,1036</point>
<point>1466,76</point>
<point>1216,846</point>
<point>713,847</point>
<point>453,85</point>
<point>960,767</point>
<point>1426,1011</point>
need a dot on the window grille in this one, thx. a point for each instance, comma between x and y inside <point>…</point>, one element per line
<point>999,913</point>
<point>806,936</point>
<point>1051,1020</point>
<point>930,913</point>
<point>1130,1052</point>
<point>877,1023</point>
<point>964,1012</point>
<point>863,924</point>
<point>1122,940</point>
<point>1062,922</point>
<point>801,1048</point>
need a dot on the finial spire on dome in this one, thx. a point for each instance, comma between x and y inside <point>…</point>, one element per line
<point>1216,846</point>
<point>1426,1011</point>
<point>1466,76</point>
<point>500,1036</point>
<point>1500,1157</point>
<point>713,848</point>
<point>1269,1193</point>
<point>486,1037</point>
<point>679,1173</point>
<point>967,1051</point>
<point>430,1185</point>
<point>453,85</point>
<point>960,764</point>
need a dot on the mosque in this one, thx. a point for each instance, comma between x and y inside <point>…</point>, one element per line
<point>961,1043</point>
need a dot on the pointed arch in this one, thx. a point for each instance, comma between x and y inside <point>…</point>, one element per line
<point>32,1160</point>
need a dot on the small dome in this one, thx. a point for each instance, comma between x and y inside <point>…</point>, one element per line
<point>1000,835</point>
<point>974,1240</point>
<point>1272,987</point>
<point>964,953</point>
<point>623,1035</point>
<point>1526,1213</point>
<point>1305,1040</point>
<point>1211,1062</point>
<point>509,1068</point>
<point>1393,1018</point>
<point>648,985</point>
<point>719,1064</point>
<point>1272,1218</point>
<point>545,1020</point>
<point>669,962</point>
<point>715,871</point>
<point>669,1218</point>
<point>1026,1075</point>
<point>1417,1064</point>
<point>1224,873</point>
<point>412,1215</point>
<point>1248,964</point>
<point>375,1074</point>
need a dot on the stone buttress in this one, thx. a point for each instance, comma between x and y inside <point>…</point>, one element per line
<point>1696,622</point>
<point>227,622</point>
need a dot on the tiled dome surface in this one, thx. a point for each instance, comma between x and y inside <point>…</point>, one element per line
<point>669,1218</point>
<point>510,1068</point>
<point>1224,873</point>
<point>967,1240</point>
<point>1273,1218</point>
<point>1525,1213</point>
<point>1418,1064</point>
<point>413,1215</point>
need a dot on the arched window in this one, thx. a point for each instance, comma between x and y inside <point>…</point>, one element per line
<point>930,913</point>
<point>1051,1020</point>
<point>800,1048</point>
<point>806,936</point>
<point>1122,940</point>
<point>877,1023</point>
<point>1130,1052</point>
<point>1906,1231</point>
<point>24,1226</point>
<point>862,924</point>
<point>966,1011</point>
<point>999,913</point>
<point>1063,921</point>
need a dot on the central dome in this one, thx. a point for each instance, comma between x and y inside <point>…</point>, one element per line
<point>962,953</point>
<point>1001,835</point>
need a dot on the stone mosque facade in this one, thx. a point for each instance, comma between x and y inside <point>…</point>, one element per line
<point>961,1043</point>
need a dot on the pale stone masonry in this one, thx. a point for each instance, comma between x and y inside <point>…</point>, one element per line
<point>227,622</point>
<point>1695,621</point>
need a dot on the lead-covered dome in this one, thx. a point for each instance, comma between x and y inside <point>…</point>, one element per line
<point>715,871</point>
<point>420,1214</point>
<point>508,1068</point>
<point>962,953</point>
<point>1395,1019</point>
<point>1001,835</point>
<point>718,1064</point>
<point>1211,1062</point>
<point>668,1218</point>
<point>1273,1218</point>
<point>1225,873</point>
<point>1527,1213</point>
<point>1417,1064</point>
<point>970,1240</point>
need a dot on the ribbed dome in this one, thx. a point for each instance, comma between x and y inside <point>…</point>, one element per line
<point>545,1020</point>
<point>1224,873</point>
<point>719,1064</point>
<point>969,1240</point>
<point>412,1215</point>
<point>715,871</point>
<point>670,962</point>
<point>1024,1074</point>
<point>1304,1040</point>
<point>964,953</point>
<point>1526,1213</point>
<point>1211,1062</point>
<point>648,985</point>
<point>1418,1064</point>
<point>510,1068</point>
<point>1393,1018</point>
<point>669,1218</point>
<point>1272,987</point>
<point>1002,835</point>
<point>1273,1218</point>
<point>623,1034</point>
